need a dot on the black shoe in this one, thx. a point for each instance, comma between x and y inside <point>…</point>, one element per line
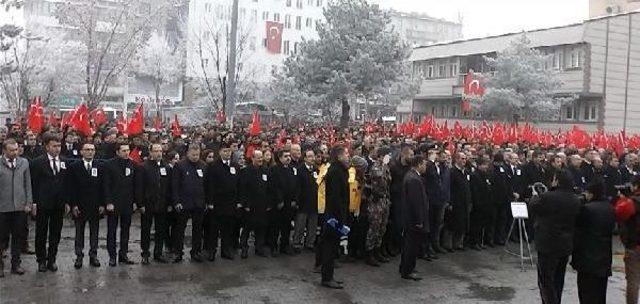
<point>450,250</point>
<point>16,269</point>
<point>377,254</point>
<point>476,247</point>
<point>145,261</point>
<point>244,254</point>
<point>94,262</point>
<point>125,260</point>
<point>371,261</point>
<point>297,251</point>
<point>211,256</point>
<point>112,262</point>
<point>52,267</point>
<point>425,257</point>
<point>274,254</point>
<point>177,259</point>
<point>227,256</point>
<point>42,267</point>
<point>310,249</point>
<point>317,269</point>
<point>160,259</point>
<point>286,251</point>
<point>438,250</point>
<point>332,285</point>
<point>261,253</point>
<point>78,263</point>
<point>460,249</point>
<point>491,245</point>
<point>412,276</point>
<point>196,258</point>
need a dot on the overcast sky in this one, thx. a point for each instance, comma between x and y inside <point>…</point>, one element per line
<point>493,17</point>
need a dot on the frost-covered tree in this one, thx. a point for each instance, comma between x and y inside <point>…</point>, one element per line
<point>160,63</point>
<point>358,55</point>
<point>520,86</point>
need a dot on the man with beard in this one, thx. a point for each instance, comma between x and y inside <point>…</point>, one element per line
<point>307,214</point>
<point>285,183</point>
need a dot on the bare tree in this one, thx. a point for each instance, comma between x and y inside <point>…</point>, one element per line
<point>112,34</point>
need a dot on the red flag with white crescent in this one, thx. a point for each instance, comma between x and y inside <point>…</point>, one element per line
<point>274,37</point>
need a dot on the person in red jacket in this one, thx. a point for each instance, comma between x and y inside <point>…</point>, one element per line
<point>628,215</point>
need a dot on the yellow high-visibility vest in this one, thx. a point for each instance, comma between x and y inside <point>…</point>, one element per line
<point>322,173</point>
<point>355,192</point>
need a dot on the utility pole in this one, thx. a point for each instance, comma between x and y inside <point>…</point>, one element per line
<point>231,88</point>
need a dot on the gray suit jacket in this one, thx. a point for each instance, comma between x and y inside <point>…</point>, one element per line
<point>15,185</point>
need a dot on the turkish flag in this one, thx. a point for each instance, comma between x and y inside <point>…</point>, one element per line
<point>176,130</point>
<point>254,129</point>
<point>472,86</point>
<point>136,124</point>
<point>274,37</point>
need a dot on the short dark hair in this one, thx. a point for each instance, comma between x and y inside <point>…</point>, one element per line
<point>416,161</point>
<point>565,179</point>
<point>596,187</point>
<point>48,137</point>
<point>119,145</point>
<point>336,151</point>
<point>281,152</point>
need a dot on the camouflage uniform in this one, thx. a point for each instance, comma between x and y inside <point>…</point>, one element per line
<point>377,196</point>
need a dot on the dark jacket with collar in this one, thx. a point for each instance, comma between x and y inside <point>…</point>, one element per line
<point>460,200</point>
<point>48,188</point>
<point>123,184</point>
<point>308,197</point>
<point>415,205</point>
<point>337,193</point>
<point>86,189</point>
<point>255,192</point>
<point>433,185</point>
<point>187,185</point>
<point>555,213</point>
<point>285,182</point>
<point>592,251</point>
<point>221,183</point>
<point>157,186</point>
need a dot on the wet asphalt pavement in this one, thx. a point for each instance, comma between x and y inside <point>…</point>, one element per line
<point>463,277</point>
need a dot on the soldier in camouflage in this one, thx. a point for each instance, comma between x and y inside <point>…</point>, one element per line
<point>377,197</point>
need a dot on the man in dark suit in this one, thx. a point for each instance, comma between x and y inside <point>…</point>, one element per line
<point>122,190</point>
<point>85,184</point>
<point>398,167</point>
<point>579,180</point>
<point>613,179</point>
<point>47,178</point>
<point>187,189</point>
<point>256,199</point>
<point>221,180</point>
<point>592,253</point>
<point>307,214</point>
<point>458,221</point>
<point>503,196</point>
<point>482,215</point>
<point>285,182</point>
<point>32,149</point>
<point>71,147</point>
<point>433,186</point>
<point>415,216</point>
<point>555,214</point>
<point>336,207</point>
<point>157,196</point>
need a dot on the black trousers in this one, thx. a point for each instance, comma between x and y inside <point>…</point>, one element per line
<point>592,289</point>
<point>436,222</point>
<point>329,243</point>
<point>12,224</point>
<point>502,222</point>
<point>551,271</point>
<point>209,231</point>
<point>170,226</point>
<point>412,240</point>
<point>94,225</point>
<point>358,236</point>
<point>124,220</point>
<point>480,224</point>
<point>225,230</point>
<point>196,216</point>
<point>279,229</point>
<point>48,226</point>
<point>147,220</point>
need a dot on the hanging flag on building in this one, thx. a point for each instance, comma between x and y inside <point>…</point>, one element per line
<point>472,88</point>
<point>274,37</point>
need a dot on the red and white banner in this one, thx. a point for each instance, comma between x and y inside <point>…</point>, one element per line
<point>274,37</point>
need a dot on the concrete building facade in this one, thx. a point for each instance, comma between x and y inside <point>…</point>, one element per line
<point>599,8</point>
<point>597,60</point>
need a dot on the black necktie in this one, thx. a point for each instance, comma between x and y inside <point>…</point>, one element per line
<point>55,166</point>
<point>88,167</point>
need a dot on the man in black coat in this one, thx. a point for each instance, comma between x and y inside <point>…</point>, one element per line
<point>85,184</point>
<point>398,168</point>
<point>534,171</point>
<point>285,182</point>
<point>71,147</point>
<point>579,180</point>
<point>32,149</point>
<point>157,198</point>
<point>221,180</point>
<point>555,214</point>
<point>307,214</point>
<point>47,178</point>
<point>123,188</point>
<point>336,207</point>
<point>457,224</point>
<point>256,200</point>
<point>592,252</point>
<point>482,213</point>
<point>613,179</point>
<point>188,193</point>
<point>415,217</point>
<point>433,187</point>
<point>503,196</point>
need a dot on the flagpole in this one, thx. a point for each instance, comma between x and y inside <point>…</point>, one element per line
<point>231,88</point>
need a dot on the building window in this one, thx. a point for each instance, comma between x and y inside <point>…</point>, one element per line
<point>299,4</point>
<point>441,71</point>
<point>286,47</point>
<point>430,72</point>
<point>433,111</point>
<point>265,15</point>
<point>298,23</point>
<point>288,3</point>
<point>295,48</point>
<point>254,15</point>
<point>589,112</point>
<point>310,2</point>
<point>276,17</point>
<point>453,70</point>
<point>287,21</point>
<point>570,113</point>
<point>309,22</point>
<point>558,59</point>
<point>454,111</point>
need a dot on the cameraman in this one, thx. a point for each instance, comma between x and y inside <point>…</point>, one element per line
<point>592,244</point>
<point>629,218</point>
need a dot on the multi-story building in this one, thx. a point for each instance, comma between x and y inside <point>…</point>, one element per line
<point>598,8</point>
<point>598,62</point>
<point>421,29</point>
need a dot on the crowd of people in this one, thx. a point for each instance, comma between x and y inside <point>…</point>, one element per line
<point>355,194</point>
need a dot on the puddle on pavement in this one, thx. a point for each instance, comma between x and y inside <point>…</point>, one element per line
<point>489,293</point>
